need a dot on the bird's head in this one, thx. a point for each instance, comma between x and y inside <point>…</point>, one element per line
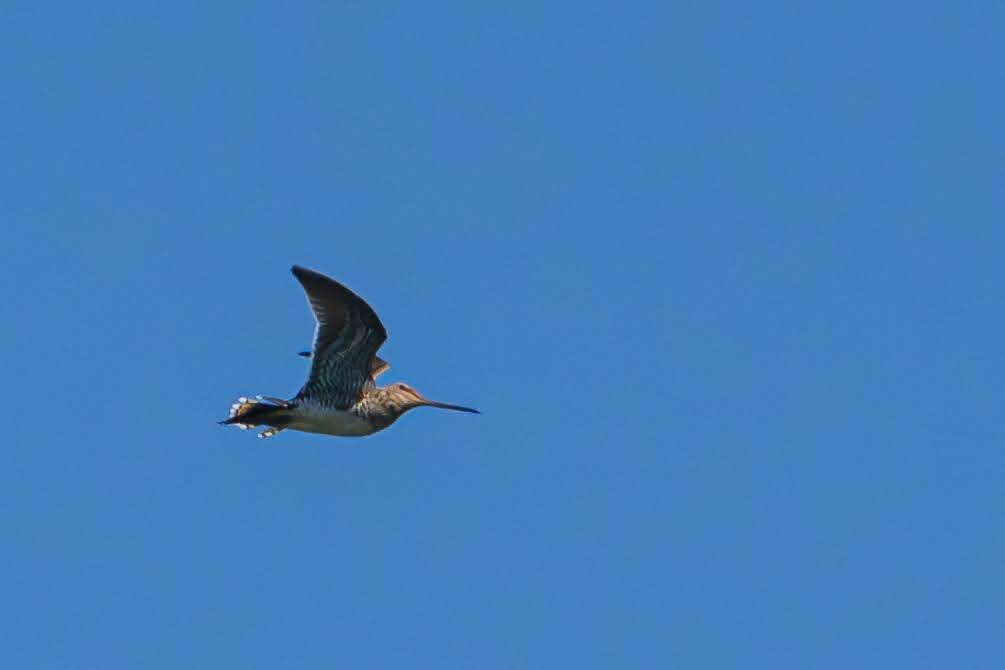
<point>408,398</point>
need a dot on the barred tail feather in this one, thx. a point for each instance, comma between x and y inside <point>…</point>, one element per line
<point>247,413</point>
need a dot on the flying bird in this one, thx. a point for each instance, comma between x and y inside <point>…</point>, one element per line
<point>341,396</point>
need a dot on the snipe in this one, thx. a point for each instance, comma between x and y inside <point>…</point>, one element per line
<point>341,396</point>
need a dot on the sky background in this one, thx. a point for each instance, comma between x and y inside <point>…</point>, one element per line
<point>726,279</point>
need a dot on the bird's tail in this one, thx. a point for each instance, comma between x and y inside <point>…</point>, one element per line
<point>247,413</point>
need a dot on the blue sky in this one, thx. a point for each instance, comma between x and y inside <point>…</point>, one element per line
<point>725,278</point>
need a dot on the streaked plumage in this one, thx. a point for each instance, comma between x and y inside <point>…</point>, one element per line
<point>340,396</point>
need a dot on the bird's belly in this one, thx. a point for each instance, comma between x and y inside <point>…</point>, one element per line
<point>331,422</point>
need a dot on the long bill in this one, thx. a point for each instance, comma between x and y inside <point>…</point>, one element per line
<point>443,405</point>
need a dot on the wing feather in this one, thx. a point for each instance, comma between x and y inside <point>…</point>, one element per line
<point>346,339</point>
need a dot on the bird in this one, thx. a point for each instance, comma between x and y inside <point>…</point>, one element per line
<point>340,396</point>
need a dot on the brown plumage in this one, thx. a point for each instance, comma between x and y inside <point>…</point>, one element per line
<point>340,396</point>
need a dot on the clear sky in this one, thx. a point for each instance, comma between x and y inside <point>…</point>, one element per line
<point>726,279</point>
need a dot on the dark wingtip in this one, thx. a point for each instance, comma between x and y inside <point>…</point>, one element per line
<point>299,271</point>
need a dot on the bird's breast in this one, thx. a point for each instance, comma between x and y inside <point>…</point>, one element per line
<point>328,421</point>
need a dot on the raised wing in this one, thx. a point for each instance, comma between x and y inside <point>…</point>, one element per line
<point>346,339</point>
<point>379,366</point>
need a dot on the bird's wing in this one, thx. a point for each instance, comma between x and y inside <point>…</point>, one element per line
<point>379,367</point>
<point>346,339</point>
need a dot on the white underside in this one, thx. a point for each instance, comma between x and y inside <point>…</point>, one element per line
<point>330,422</point>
